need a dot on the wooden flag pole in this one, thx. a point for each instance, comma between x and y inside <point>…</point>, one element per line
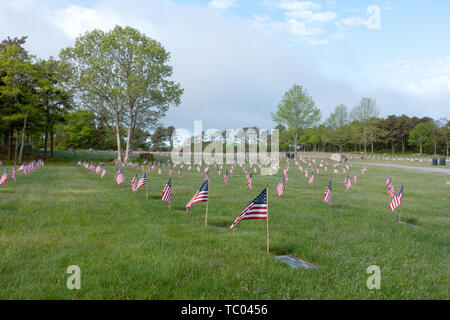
<point>399,214</point>
<point>146,189</point>
<point>267,222</point>
<point>207,202</point>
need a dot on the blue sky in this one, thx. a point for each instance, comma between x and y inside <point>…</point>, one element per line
<point>235,58</point>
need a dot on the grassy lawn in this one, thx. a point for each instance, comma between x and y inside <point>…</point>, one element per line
<point>131,248</point>
<point>424,163</point>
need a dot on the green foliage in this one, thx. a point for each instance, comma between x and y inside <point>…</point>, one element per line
<point>122,76</point>
<point>420,135</point>
<point>297,110</point>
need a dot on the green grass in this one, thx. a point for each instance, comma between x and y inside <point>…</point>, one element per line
<point>424,163</point>
<point>131,248</point>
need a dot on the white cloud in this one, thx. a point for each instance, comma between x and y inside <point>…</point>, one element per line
<point>435,85</point>
<point>310,16</point>
<point>353,22</point>
<point>298,5</point>
<point>424,79</point>
<point>75,20</point>
<point>221,4</point>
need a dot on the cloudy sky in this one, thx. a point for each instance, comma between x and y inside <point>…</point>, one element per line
<point>235,58</point>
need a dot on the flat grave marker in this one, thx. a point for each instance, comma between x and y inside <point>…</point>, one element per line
<point>295,262</point>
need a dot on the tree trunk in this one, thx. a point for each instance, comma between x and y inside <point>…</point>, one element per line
<point>129,137</point>
<point>45,143</point>
<point>16,147</point>
<point>372,147</point>
<point>117,133</point>
<point>420,146</point>
<point>23,139</point>
<point>10,144</point>
<point>51,141</point>
<point>403,146</point>
<point>47,127</point>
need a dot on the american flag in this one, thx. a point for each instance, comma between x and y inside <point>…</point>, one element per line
<point>355,179</point>
<point>363,170</point>
<point>103,172</point>
<point>249,181</point>
<point>397,200</point>
<point>98,169</point>
<point>167,192</point>
<point>347,183</point>
<point>119,176</point>
<point>257,209</point>
<point>225,178</point>
<point>391,190</point>
<point>206,174</point>
<point>311,180</point>
<point>327,195</point>
<point>4,177</point>
<point>133,183</point>
<point>13,173</point>
<point>159,170</point>
<point>280,187</point>
<point>179,173</point>
<point>388,180</point>
<point>142,182</point>
<point>200,196</point>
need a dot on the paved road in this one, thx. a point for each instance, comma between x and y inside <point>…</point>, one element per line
<point>443,171</point>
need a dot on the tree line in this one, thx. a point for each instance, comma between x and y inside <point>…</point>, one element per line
<point>110,90</point>
<point>106,91</point>
<point>359,129</point>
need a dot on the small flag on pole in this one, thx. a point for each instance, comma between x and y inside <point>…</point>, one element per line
<point>4,177</point>
<point>200,196</point>
<point>391,190</point>
<point>142,182</point>
<point>347,183</point>
<point>257,209</point>
<point>225,178</point>
<point>119,176</point>
<point>133,183</point>
<point>280,188</point>
<point>249,181</point>
<point>167,192</point>
<point>327,195</point>
<point>397,200</point>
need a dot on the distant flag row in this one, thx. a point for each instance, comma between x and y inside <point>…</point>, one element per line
<point>26,168</point>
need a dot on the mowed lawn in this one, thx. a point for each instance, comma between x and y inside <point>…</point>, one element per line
<point>131,248</point>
